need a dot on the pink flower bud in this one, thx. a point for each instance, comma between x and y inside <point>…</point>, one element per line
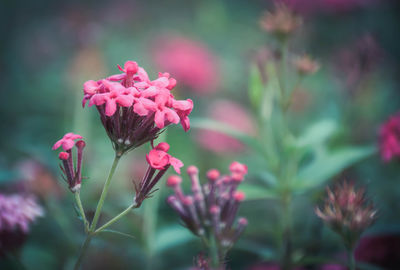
<point>163,146</point>
<point>237,167</point>
<point>188,200</point>
<point>131,67</point>
<point>80,144</point>
<point>239,196</point>
<point>214,209</point>
<point>192,170</point>
<point>173,180</point>
<point>213,174</point>
<point>237,177</point>
<point>243,221</point>
<point>63,156</point>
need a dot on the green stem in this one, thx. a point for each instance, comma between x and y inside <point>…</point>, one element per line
<point>287,233</point>
<point>352,260</point>
<point>104,193</point>
<point>116,218</point>
<point>92,227</point>
<point>83,251</point>
<point>81,210</point>
<point>214,254</point>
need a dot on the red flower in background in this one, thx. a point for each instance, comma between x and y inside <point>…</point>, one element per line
<point>389,138</point>
<point>191,62</point>
<point>233,115</point>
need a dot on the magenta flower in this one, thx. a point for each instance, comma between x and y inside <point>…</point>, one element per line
<point>67,142</point>
<point>71,170</point>
<point>210,210</point>
<point>389,138</point>
<point>190,61</point>
<point>134,109</point>
<point>158,160</point>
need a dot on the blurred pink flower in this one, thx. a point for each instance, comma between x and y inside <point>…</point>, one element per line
<point>233,115</point>
<point>191,62</point>
<point>17,212</point>
<point>389,138</point>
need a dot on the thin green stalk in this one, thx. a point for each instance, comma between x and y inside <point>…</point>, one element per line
<point>81,210</point>
<point>97,213</point>
<point>83,251</point>
<point>214,254</point>
<point>352,260</point>
<point>104,193</point>
<point>116,218</point>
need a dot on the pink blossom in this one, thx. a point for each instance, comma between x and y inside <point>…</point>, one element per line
<point>117,95</point>
<point>389,138</point>
<point>67,142</point>
<point>233,115</point>
<point>158,158</point>
<point>134,109</point>
<point>183,109</point>
<point>191,62</point>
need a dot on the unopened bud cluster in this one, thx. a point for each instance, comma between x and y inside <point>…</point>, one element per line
<point>347,211</point>
<point>211,208</point>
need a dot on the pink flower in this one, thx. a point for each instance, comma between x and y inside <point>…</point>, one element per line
<point>233,115</point>
<point>134,109</point>
<point>158,158</point>
<point>117,95</point>
<point>191,62</point>
<point>389,138</point>
<point>67,142</point>
<point>183,109</point>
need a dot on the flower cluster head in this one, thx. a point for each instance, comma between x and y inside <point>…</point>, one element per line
<point>305,65</point>
<point>72,171</point>
<point>134,109</point>
<point>158,160</point>
<point>347,211</point>
<point>282,22</point>
<point>211,208</point>
<point>389,141</point>
<point>17,212</point>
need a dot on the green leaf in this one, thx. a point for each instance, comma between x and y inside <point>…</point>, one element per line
<point>256,192</point>
<point>172,236</point>
<point>327,164</point>
<point>228,130</point>
<point>255,86</point>
<point>317,133</point>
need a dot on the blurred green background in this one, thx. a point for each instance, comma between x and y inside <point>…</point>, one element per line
<point>50,48</point>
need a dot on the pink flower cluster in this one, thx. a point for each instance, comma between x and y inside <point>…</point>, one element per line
<point>72,173</point>
<point>158,160</point>
<point>17,212</point>
<point>211,209</point>
<point>134,109</point>
<point>389,141</point>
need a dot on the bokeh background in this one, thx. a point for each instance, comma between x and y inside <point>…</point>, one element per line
<point>50,48</point>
